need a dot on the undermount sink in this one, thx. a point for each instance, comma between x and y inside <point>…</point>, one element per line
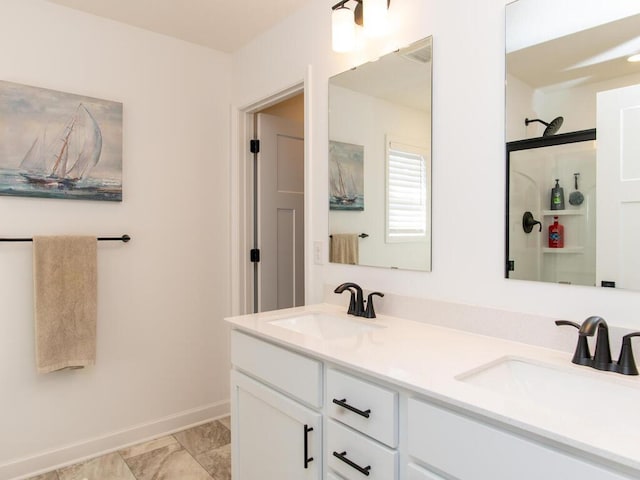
<point>325,326</point>
<point>591,397</point>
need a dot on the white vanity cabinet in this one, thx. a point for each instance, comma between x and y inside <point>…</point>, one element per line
<point>274,436</point>
<point>469,449</point>
<point>297,417</point>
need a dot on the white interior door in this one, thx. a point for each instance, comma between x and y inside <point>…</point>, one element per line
<point>280,212</point>
<point>618,188</point>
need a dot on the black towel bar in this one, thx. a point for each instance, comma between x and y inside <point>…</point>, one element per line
<point>362,235</point>
<point>123,238</point>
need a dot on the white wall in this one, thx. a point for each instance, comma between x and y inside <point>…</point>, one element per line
<point>162,357</point>
<point>519,107</point>
<point>468,154</point>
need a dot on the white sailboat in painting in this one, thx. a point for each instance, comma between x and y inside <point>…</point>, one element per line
<point>70,156</point>
<point>343,195</point>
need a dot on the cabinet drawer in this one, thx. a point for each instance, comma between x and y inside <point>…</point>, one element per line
<point>415,472</point>
<point>381,461</point>
<point>331,476</point>
<point>382,405</point>
<point>290,372</point>
<point>468,449</point>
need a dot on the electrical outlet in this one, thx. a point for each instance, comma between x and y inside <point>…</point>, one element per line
<point>317,252</point>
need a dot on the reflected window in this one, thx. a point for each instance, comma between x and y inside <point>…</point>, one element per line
<point>407,199</point>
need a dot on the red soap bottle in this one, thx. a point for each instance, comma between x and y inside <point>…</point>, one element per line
<point>556,234</point>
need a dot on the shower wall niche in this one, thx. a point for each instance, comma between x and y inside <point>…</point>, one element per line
<point>533,167</point>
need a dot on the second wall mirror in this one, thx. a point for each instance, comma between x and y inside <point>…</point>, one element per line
<point>573,148</point>
<point>380,161</point>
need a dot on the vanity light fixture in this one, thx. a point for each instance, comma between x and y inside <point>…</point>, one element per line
<point>634,58</point>
<point>343,29</point>
<point>375,17</point>
<point>370,14</point>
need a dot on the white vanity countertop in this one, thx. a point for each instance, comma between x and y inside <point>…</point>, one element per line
<point>427,359</point>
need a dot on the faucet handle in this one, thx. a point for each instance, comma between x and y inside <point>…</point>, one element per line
<point>370,312</point>
<point>582,355</point>
<point>352,302</point>
<point>352,310</point>
<point>569,323</point>
<point>626,362</point>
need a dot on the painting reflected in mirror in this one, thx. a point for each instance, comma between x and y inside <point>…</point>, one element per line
<point>346,177</point>
<point>380,161</point>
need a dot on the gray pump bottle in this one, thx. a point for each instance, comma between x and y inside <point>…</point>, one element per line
<point>557,196</point>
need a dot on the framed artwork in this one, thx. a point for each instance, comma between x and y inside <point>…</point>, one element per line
<point>346,176</point>
<point>59,145</point>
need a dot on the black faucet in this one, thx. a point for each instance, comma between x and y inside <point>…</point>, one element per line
<point>602,357</point>
<point>356,308</point>
<point>370,312</point>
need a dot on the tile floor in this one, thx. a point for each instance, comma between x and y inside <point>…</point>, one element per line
<point>199,453</point>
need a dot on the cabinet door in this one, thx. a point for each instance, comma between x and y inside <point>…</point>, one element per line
<point>467,449</point>
<point>273,436</point>
<point>415,472</point>
<point>332,476</point>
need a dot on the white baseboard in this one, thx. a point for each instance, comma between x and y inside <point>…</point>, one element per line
<point>49,460</point>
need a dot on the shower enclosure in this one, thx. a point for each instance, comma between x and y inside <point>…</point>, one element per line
<point>533,165</point>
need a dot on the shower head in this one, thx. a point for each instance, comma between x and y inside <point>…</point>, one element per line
<point>552,127</point>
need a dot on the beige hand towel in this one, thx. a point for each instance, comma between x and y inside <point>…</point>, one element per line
<point>65,281</point>
<point>344,248</point>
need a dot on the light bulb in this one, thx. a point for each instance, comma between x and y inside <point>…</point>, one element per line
<point>343,28</point>
<point>634,58</point>
<point>374,17</point>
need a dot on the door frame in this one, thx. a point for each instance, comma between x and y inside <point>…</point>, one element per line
<point>242,198</point>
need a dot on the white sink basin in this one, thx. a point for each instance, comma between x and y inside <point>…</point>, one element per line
<point>590,397</point>
<point>325,326</point>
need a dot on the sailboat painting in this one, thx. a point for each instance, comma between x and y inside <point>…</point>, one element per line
<point>346,176</point>
<point>59,145</point>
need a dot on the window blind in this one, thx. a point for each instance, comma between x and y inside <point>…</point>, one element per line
<point>406,193</point>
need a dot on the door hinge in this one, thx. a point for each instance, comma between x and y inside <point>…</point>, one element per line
<point>511,265</point>
<point>254,146</point>
<point>254,255</point>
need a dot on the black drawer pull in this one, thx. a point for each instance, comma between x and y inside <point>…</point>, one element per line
<point>307,459</point>
<point>343,403</point>
<point>343,456</point>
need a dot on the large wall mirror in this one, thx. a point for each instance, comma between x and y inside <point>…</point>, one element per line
<point>380,161</point>
<point>573,142</point>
